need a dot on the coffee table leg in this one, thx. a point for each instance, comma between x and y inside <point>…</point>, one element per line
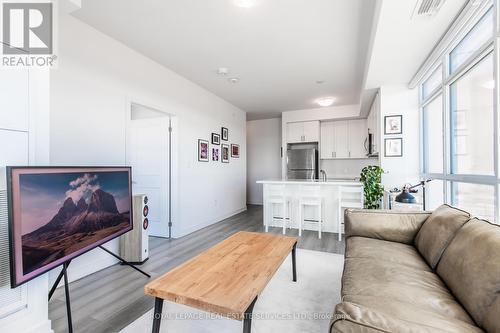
<point>294,264</point>
<point>247,321</point>
<point>157,315</point>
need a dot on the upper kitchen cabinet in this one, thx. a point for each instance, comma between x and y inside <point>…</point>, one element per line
<point>358,138</point>
<point>343,139</point>
<point>305,131</point>
<point>373,124</point>
<point>14,104</point>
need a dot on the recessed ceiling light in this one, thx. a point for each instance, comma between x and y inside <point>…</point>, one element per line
<point>234,80</point>
<point>245,3</point>
<point>326,101</point>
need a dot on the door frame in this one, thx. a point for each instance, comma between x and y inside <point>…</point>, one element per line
<point>174,152</point>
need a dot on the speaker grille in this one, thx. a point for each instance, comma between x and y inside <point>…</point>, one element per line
<point>11,300</point>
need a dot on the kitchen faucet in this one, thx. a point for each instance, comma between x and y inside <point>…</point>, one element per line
<point>323,173</point>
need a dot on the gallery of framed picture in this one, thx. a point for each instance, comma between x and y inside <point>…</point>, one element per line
<point>223,153</point>
<point>393,146</point>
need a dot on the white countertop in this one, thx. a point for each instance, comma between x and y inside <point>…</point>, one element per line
<point>331,182</point>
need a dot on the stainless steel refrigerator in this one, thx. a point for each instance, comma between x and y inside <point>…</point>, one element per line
<point>302,164</point>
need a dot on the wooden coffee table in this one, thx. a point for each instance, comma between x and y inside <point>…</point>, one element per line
<point>225,279</point>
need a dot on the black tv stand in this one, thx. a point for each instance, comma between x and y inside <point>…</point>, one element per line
<point>64,273</point>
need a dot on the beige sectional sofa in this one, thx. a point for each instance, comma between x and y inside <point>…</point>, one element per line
<point>419,272</point>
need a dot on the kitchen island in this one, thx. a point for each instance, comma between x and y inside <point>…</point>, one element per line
<point>332,192</point>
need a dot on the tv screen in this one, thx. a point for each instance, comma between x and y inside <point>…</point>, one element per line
<point>59,213</point>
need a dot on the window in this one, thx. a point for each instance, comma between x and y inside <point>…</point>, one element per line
<point>433,136</point>
<point>432,83</point>
<point>471,101</point>
<point>479,200</point>
<point>473,41</point>
<point>458,120</point>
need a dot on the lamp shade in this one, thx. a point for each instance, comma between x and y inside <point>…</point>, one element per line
<point>405,197</point>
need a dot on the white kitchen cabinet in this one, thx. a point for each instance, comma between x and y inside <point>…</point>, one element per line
<point>373,124</point>
<point>341,133</point>
<point>327,140</point>
<point>357,138</point>
<point>294,132</point>
<point>305,131</point>
<point>343,139</point>
<point>311,131</point>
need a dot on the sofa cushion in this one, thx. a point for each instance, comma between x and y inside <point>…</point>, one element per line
<point>361,247</point>
<point>373,314</point>
<point>437,232</point>
<point>470,267</point>
<point>382,279</point>
<point>394,226</point>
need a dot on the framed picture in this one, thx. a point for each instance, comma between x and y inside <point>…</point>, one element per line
<point>225,134</point>
<point>203,150</point>
<point>215,139</point>
<point>235,151</point>
<point>393,124</point>
<point>215,154</point>
<point>394,147</point>
<point>225,153</point>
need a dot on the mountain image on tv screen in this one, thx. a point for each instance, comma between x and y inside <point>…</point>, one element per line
<point>64,213</point>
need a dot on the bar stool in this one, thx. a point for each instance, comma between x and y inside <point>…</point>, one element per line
<point>310,195</point>
<point>276,195</point>
<point>348,197</point>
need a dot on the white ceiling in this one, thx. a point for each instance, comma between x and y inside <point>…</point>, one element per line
<point>278,49</point>
<point>402,43</point>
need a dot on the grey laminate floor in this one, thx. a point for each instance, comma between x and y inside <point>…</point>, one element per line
<point>112,298</point>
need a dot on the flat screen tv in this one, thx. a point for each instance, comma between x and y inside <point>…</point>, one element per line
<point>59,213</point>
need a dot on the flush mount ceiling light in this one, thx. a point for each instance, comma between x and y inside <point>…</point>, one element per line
<point>245,3</point>
<point>325,101</point>
<point>234,80</point>
<point>222,71</point>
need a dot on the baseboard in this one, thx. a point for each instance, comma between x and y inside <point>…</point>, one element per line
<point>184,232</point>
<point>44,327</point>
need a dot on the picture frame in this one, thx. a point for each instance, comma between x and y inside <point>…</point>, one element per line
<point>393,147</point>
<point>393,124</point>
<point>215,139</point>
<point>225,153</point>
<point>215,154</point>
<point>224,134</point>
<point>202,150</point>
<point>235,151</point>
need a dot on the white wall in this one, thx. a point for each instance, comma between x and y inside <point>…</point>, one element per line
<point>24,134</point>
<point>399,100</point>
<point>263,155</point>
<point>95,80</point>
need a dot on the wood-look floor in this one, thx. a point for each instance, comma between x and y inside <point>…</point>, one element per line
<point>112,298</point>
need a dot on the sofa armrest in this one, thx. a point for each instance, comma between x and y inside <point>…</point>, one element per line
<point>394,226</point>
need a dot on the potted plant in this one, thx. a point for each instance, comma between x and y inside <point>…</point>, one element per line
<point>371,176</point>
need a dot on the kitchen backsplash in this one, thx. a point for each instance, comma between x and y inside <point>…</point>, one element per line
<point>348,168</point>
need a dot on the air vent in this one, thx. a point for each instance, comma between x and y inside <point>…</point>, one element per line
<point>427,8</point>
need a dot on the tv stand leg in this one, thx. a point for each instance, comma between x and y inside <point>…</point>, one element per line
<point>56,283</point>
<point>124,261</point>
<point>68,302</point>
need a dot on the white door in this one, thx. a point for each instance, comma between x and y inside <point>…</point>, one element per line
<point>327,140</point>
<point>357,137</point>
<point>341,139</point>
<point>311,131</point>
<point>148,154</point>
<point>295,132</point>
